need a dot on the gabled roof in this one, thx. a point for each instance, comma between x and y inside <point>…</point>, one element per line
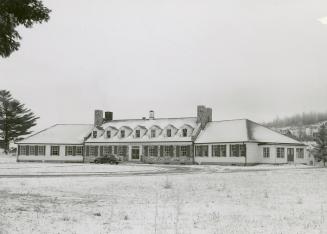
<point>147,123</point>
<point>241,130</point>
<point>140,126</point>
<point>60,134</point>
<point>263,134</point>
<point>98,128</point>
<point>161,123</point>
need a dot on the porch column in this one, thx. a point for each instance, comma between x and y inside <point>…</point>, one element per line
<point>129,152</point>
<point>209,151</point>
<point>141,150</point>
<point>227,150</point>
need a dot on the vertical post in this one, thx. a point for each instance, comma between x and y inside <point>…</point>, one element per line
<point>246,155</point>
<point>209,151</point>
<point>129,151</point>
<point>193,152</point>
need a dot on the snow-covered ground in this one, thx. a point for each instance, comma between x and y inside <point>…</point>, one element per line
<point>8,166</point>
<point>7,158</point>
<point>274,201</point>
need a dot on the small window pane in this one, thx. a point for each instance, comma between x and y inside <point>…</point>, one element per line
<point>266,152</point>
<point>79,150</point>
<point>153,133</point>
<point>184,132</point>
<point>54,150</point>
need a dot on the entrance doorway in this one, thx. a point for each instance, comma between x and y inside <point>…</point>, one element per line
<point>135,153</point>
<point>290,154</point>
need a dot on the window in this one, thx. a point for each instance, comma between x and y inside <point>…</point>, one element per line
<point>22,150</point>
<point>168,132</point>
<point>153,133</point>
<point>219,150</point>
<point>266,152</point>
<point>168,151</point>
<point>238,150</point>
<point>234,150</point>
<point>184,132</point>
<point>243,150</point>
<point>201,150</point>
<point>137,133</point>
<point>122,133</point>
<point>93,151</point>
<point>94,134</point>
<point>41,150</point>
<point>280,152</point>
<point>107,150</point>
<point>299,152</point>
<point>108,134</point>
<point>184,150</point>
<point>69,150</point>
<point>32,150</point>
<point>54,150</point>
<point>122,150</point>
<point>153,151</point>
<point>79,150</point>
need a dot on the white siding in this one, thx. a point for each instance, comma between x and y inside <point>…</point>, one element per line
<point>273,155</point>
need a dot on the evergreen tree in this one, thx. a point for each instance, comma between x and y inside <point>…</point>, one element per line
<point>14,13</point>
<point>15,119</point>
<point>320,149</point>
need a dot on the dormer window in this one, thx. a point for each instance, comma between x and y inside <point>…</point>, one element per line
<point>95,133</point>
<point>137,133</point>
<point>122,133</point>
<point>168,132</point>
<point>153,133</point>
<point>184,132</point>
<point>108,134</point>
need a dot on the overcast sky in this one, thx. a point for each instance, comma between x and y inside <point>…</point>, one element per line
<point>246,59</point>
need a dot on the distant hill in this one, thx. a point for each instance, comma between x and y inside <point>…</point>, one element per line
<point>298,120</point>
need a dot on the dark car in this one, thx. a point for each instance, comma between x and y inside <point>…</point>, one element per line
<point>112,159</point>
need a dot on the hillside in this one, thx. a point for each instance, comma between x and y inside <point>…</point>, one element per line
<point>298,120</point>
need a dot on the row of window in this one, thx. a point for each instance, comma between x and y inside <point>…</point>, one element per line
<point>106,150</point>
<point>69,150</point>
<point>280,152</point>
<point>32,150</point>
<point>54,150</point>
<point>167,151</point>
<point>235,150</point>
<point>154,151</point>
<point>153,134</point>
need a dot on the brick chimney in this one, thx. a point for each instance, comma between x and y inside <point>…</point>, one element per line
<point>151,114</point>
<point>108,116</point>
<point>204,115</point>
<point>98,117</point>
<point>209,114</point>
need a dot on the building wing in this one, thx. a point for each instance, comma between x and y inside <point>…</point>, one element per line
<point>60,134</point>
<point>241,130</point>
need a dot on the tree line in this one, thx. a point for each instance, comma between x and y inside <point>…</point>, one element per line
<point>298,120</point>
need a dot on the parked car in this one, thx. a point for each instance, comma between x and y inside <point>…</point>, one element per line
<point>112,159</point>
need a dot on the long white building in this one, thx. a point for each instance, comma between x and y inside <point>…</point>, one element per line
<point>185,140</point>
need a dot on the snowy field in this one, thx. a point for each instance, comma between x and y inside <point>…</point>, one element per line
<point>287,200</point>
<point>8,166</point>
